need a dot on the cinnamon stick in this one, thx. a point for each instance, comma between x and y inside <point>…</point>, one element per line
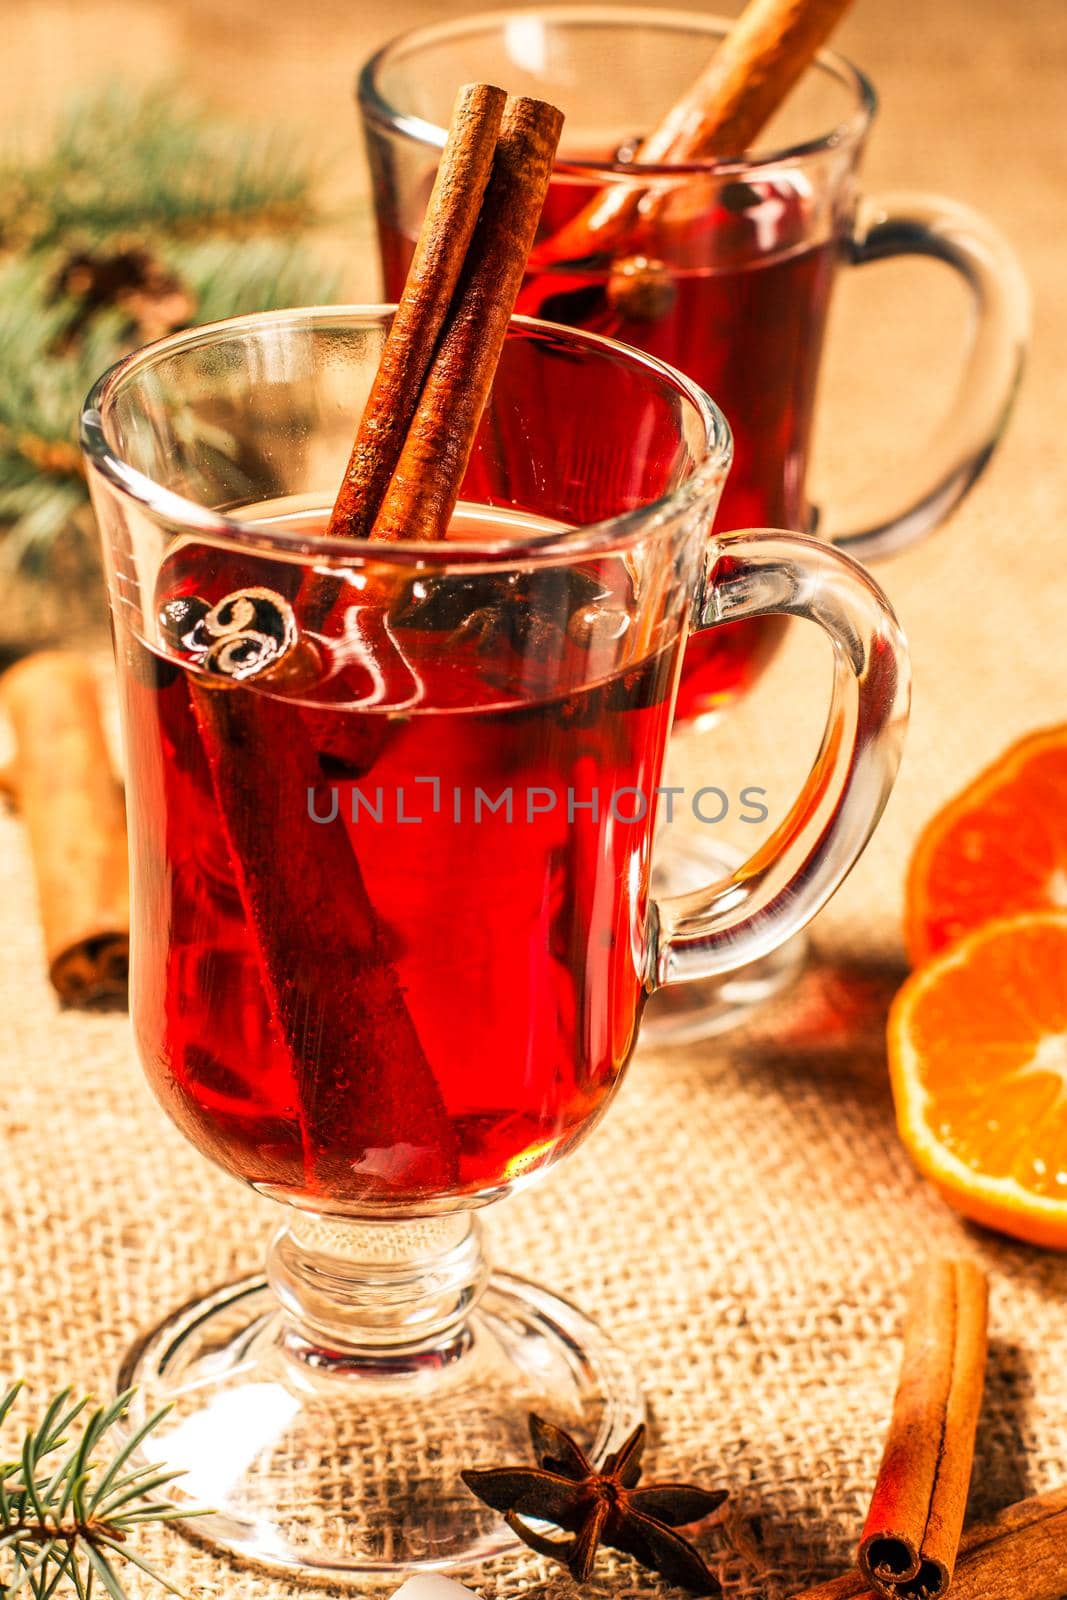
<point>758,62</point>
<point>751,73</point>
<point>418,426</point>
<point>441,250</point>
<point>909,1544</point>
<point>72,804</point>
<point>364,1081</point>
<point>422,495</point>
<point>1021,1554</point>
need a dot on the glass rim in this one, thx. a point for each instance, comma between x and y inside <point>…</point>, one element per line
<point>186,515</point>
<point>844,135</point>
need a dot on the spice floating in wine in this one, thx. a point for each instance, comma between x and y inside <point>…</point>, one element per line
<point>747,317</point>
<point>760,290</point>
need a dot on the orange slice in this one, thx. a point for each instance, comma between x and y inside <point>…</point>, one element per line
<point>999,848</point>
<point>978,1060</point>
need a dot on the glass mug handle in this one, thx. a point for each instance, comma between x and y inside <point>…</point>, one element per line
<point>779,889</point>
<point>926,489</point>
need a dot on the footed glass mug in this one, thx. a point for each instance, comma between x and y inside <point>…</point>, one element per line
<point>391,814</point>
<point>727,274</point>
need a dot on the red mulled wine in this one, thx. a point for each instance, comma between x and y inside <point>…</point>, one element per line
<point>740,306</point>
<point>390,917</point>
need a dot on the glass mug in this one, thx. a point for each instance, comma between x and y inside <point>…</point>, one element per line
<point>391,817</point>
<point>739,262</point>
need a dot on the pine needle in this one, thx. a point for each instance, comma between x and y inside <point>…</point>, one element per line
<point>65,1523</point>
<point>223,211</point>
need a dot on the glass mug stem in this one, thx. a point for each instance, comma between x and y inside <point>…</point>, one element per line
<point>377,1296</point>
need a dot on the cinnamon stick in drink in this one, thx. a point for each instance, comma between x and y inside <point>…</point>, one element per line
<point>419,424</point>
<point>751,73</point>
<point>912,1535</point>
<point>1021,1554</point>
<point>425,486</point>
<point>72,803</point>
<point>358,1062</point>
<point>758,62</point>
<point>444,239</point>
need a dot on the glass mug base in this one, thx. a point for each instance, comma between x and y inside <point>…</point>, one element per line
<point>345,1467</point>
<point>706,1007</point>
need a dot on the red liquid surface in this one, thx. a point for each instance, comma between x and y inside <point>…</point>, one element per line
<point>516,948</point>
<point>746,316</point>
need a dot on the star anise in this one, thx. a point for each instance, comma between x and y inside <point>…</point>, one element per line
<point>600,1508</point>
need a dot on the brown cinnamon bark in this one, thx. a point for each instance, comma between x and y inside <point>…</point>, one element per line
<point>1020,1555</point>
<point>74,813</point>
<point>422,496</point>
<point>441,250</point>
<point>418,427</point>
<point>912,1535</point>
<point>749,76</point>
<point>365,1084</point>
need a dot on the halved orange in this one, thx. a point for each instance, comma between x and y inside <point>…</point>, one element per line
<point>978,1061</point>
<point>998,849</point>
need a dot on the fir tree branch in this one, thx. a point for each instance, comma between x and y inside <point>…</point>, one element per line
<point>220,209</point>
<point>68,1522</point>
<point>146,161</point>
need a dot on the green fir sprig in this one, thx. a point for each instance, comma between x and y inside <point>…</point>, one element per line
<point>219,213</point>
<point>125,159</point>
<point>67,1508</point>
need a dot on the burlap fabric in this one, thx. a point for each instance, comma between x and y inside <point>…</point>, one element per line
<point>744,1219</point>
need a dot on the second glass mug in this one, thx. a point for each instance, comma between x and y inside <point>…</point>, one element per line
<point>745,253</point>
<point>390,817</point>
